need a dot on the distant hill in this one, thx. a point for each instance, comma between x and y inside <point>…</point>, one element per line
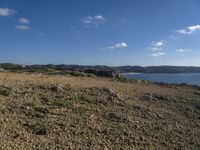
<point>120,69</point>
<point>159,69</point>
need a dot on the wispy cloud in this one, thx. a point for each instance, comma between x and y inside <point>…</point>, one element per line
<point>172,37</point>
<point>94,20</point>
<point>5,12</point>
<point>183,50</point>
<point>42,34</point>
<point>121,45</point>
<point>157,54</point>
<point>156,48</point>
<point>23,21</point>
<point>117,46</point>
<point>22,27</point>
<point>189,30</point>
<point>158,44</point>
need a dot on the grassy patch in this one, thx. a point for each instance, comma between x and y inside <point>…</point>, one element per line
<point>61,103</point>
<point>63,126</point>
<point>38,128</point>
<point>86,98</point>
<point>122,79</point>
<point>57,102</point>
<point>31,104</point>
<point>41,110</point>
<point>78,74</point>
<point>80,110</point>
<point>4,91</point>
<point>34,111</point>
<point>89,101</point>
<point>47,100</point>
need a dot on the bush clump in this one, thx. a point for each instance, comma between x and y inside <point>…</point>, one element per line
<point>78,74</point>
<point>4,91</point>
<point>38,128</point>
<point>55,101</point>
<point>41,110</point>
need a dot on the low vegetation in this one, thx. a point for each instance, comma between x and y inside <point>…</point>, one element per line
<point>38,128</point>
<point>4,91</point>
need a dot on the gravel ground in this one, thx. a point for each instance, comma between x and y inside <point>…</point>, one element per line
<point>66,112</point>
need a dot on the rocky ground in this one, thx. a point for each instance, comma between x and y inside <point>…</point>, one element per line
<point>65,112</point>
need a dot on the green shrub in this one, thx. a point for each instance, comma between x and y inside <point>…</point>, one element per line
<point>56,102</point>
<point>85,98</point>
<point>78,74</point>
<point>32,104</point>
<point>41,110</point>
<point>47,100</point>
<point>38,128</point>
<point>4,91</point>
<point>61,103</point>
<point>122,79</point>
<point>63,125</point>
<point>80,110</point>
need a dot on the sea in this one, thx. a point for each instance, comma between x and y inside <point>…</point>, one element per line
<point>187,78</point>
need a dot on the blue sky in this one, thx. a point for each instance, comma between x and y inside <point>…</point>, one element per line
<point>100,32</point>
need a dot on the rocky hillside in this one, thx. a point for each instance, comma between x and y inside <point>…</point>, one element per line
<point>66,112</point>
<point>106,71</point>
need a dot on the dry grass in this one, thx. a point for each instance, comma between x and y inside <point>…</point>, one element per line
<point>60,112</point>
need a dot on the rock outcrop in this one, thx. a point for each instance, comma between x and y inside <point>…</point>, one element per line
<point>102,73</point>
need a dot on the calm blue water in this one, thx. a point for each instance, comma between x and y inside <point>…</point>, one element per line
<point>188,78</point>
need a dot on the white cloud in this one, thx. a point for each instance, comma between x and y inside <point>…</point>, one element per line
<point>117,46</point>
<point>194,28</point>
<point>158,44</point>
<point>183,50</point>
<point>5,12</point>
<point>94,20</point>
<point>155,48</point>
<point>183,31</point>
<point>23,21</point>
<point>121,45</point>
<point>189,30</point>
<point>157,54</point>
<point>22,27</point>
<point>99,17</point>
<point>172,37</point>
<point>110,47</point>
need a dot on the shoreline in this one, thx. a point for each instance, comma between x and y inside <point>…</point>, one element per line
<point>182,78</point>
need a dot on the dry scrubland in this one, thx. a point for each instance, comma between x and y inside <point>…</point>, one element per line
<point>66,112</point>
